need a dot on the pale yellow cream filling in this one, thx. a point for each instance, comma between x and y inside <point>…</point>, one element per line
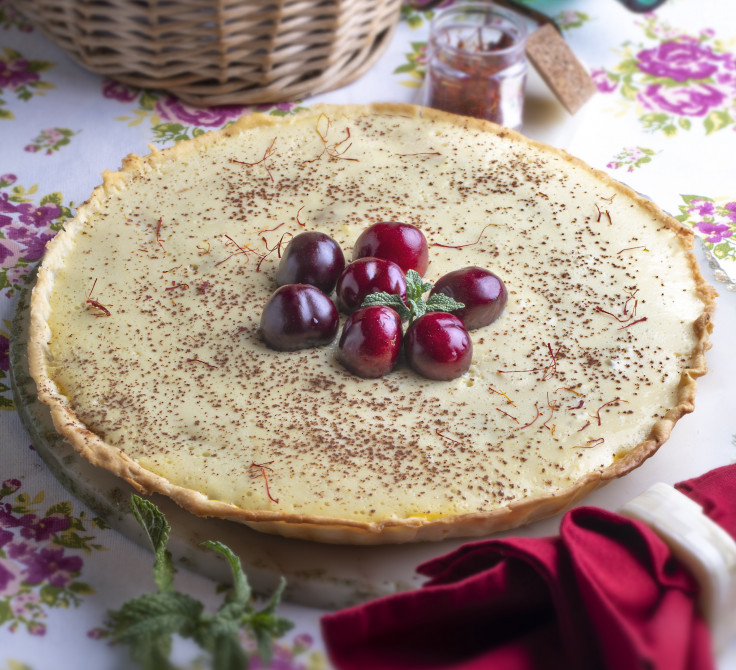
<point>586,357</point>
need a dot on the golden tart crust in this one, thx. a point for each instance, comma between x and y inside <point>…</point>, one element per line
<point>144,332</point>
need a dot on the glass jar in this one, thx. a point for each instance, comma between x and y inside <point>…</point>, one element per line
<point>476,64</point>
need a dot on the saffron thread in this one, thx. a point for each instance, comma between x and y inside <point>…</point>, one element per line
<point>597,415</point>
<point>158,234</point>
<point>270,230</point>
<point>241,250</point>
<point>331,151</point>
<point>263,468</point>
<point>462,246</point>
<point>618,253</point>
<point>199,360</point>
<point>498,409</point>
<point>96,303</point>
<point>548,370</point>
<point>501,393</point>
<point>644,318</point>
<point>270,151</point>
<point>592,442</point>
<point>566,388</point>
<point>420,153</point>
<point>526,425</point>
<point>437,430</point>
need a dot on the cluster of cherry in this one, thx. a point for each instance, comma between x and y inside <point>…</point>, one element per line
<point>380,288</point>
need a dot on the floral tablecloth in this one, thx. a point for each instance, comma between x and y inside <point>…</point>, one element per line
<point>663,121</point>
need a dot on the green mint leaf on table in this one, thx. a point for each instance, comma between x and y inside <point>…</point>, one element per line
<point>157,530</point>
<point>415,305</point>
<point>266,625</point>
<point>147,623</point>
<point>241,589</point>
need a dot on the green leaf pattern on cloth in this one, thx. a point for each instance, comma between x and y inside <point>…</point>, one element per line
<point>570,18</point>
<point>6,397</point>
<point>10,17</point>
<point>631,158</point>
<point>20,77</point>
<point>415,66</point>
<point>50,140</point>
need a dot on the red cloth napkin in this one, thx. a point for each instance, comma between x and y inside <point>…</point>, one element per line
<point>715,492</point>
<point>606,593</point>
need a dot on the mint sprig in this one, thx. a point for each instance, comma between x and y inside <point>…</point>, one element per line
<point>415,305</point>
<point>147,623</point>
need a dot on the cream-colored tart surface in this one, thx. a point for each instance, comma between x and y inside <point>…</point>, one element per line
<point>145,338</point>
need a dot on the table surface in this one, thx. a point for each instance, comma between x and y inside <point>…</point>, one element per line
<point>663,121</point>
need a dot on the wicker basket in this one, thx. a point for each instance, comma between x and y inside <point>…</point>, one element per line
<point>216,52</point>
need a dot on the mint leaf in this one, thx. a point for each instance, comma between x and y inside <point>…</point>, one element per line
<point>266,625</point>
<point>228,654</point>
<point>389,300</point>
<point>418,308</point>
<point>439,302</point>
<point>241,589</point>
<point>157,529</point>
<point>416,286</point>
<point>148,622</point>
<point>156,614</point>
<point>415,305</point>
<point>152,652</point>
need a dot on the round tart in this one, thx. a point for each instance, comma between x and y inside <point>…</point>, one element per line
<point>145,328</point>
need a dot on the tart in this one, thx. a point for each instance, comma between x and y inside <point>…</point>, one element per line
<point>145,328</point>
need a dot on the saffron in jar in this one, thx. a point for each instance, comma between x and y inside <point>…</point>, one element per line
<point>476,63</point>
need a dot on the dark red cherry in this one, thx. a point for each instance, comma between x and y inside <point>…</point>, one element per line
<point>311,258</point>
<point>365,276</point>
<point>482,292</point>
<point>438,346</point>
<point>371,341</point>
<point>401,243</point>
<point>298,316</point>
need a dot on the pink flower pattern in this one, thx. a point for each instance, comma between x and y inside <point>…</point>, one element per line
<point>39,553</point>
<point>51,565</point>
<point>680,79</point>
<point>631,158</point>
<point>16,72</point>
<point>51,139</point>
<point>25,229</point>
<point>680,60</point>
<point>693,100</point>
<point>714,221</point>
<point>170,108</point>
<point>174,120</point>
<point>22,77</point>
